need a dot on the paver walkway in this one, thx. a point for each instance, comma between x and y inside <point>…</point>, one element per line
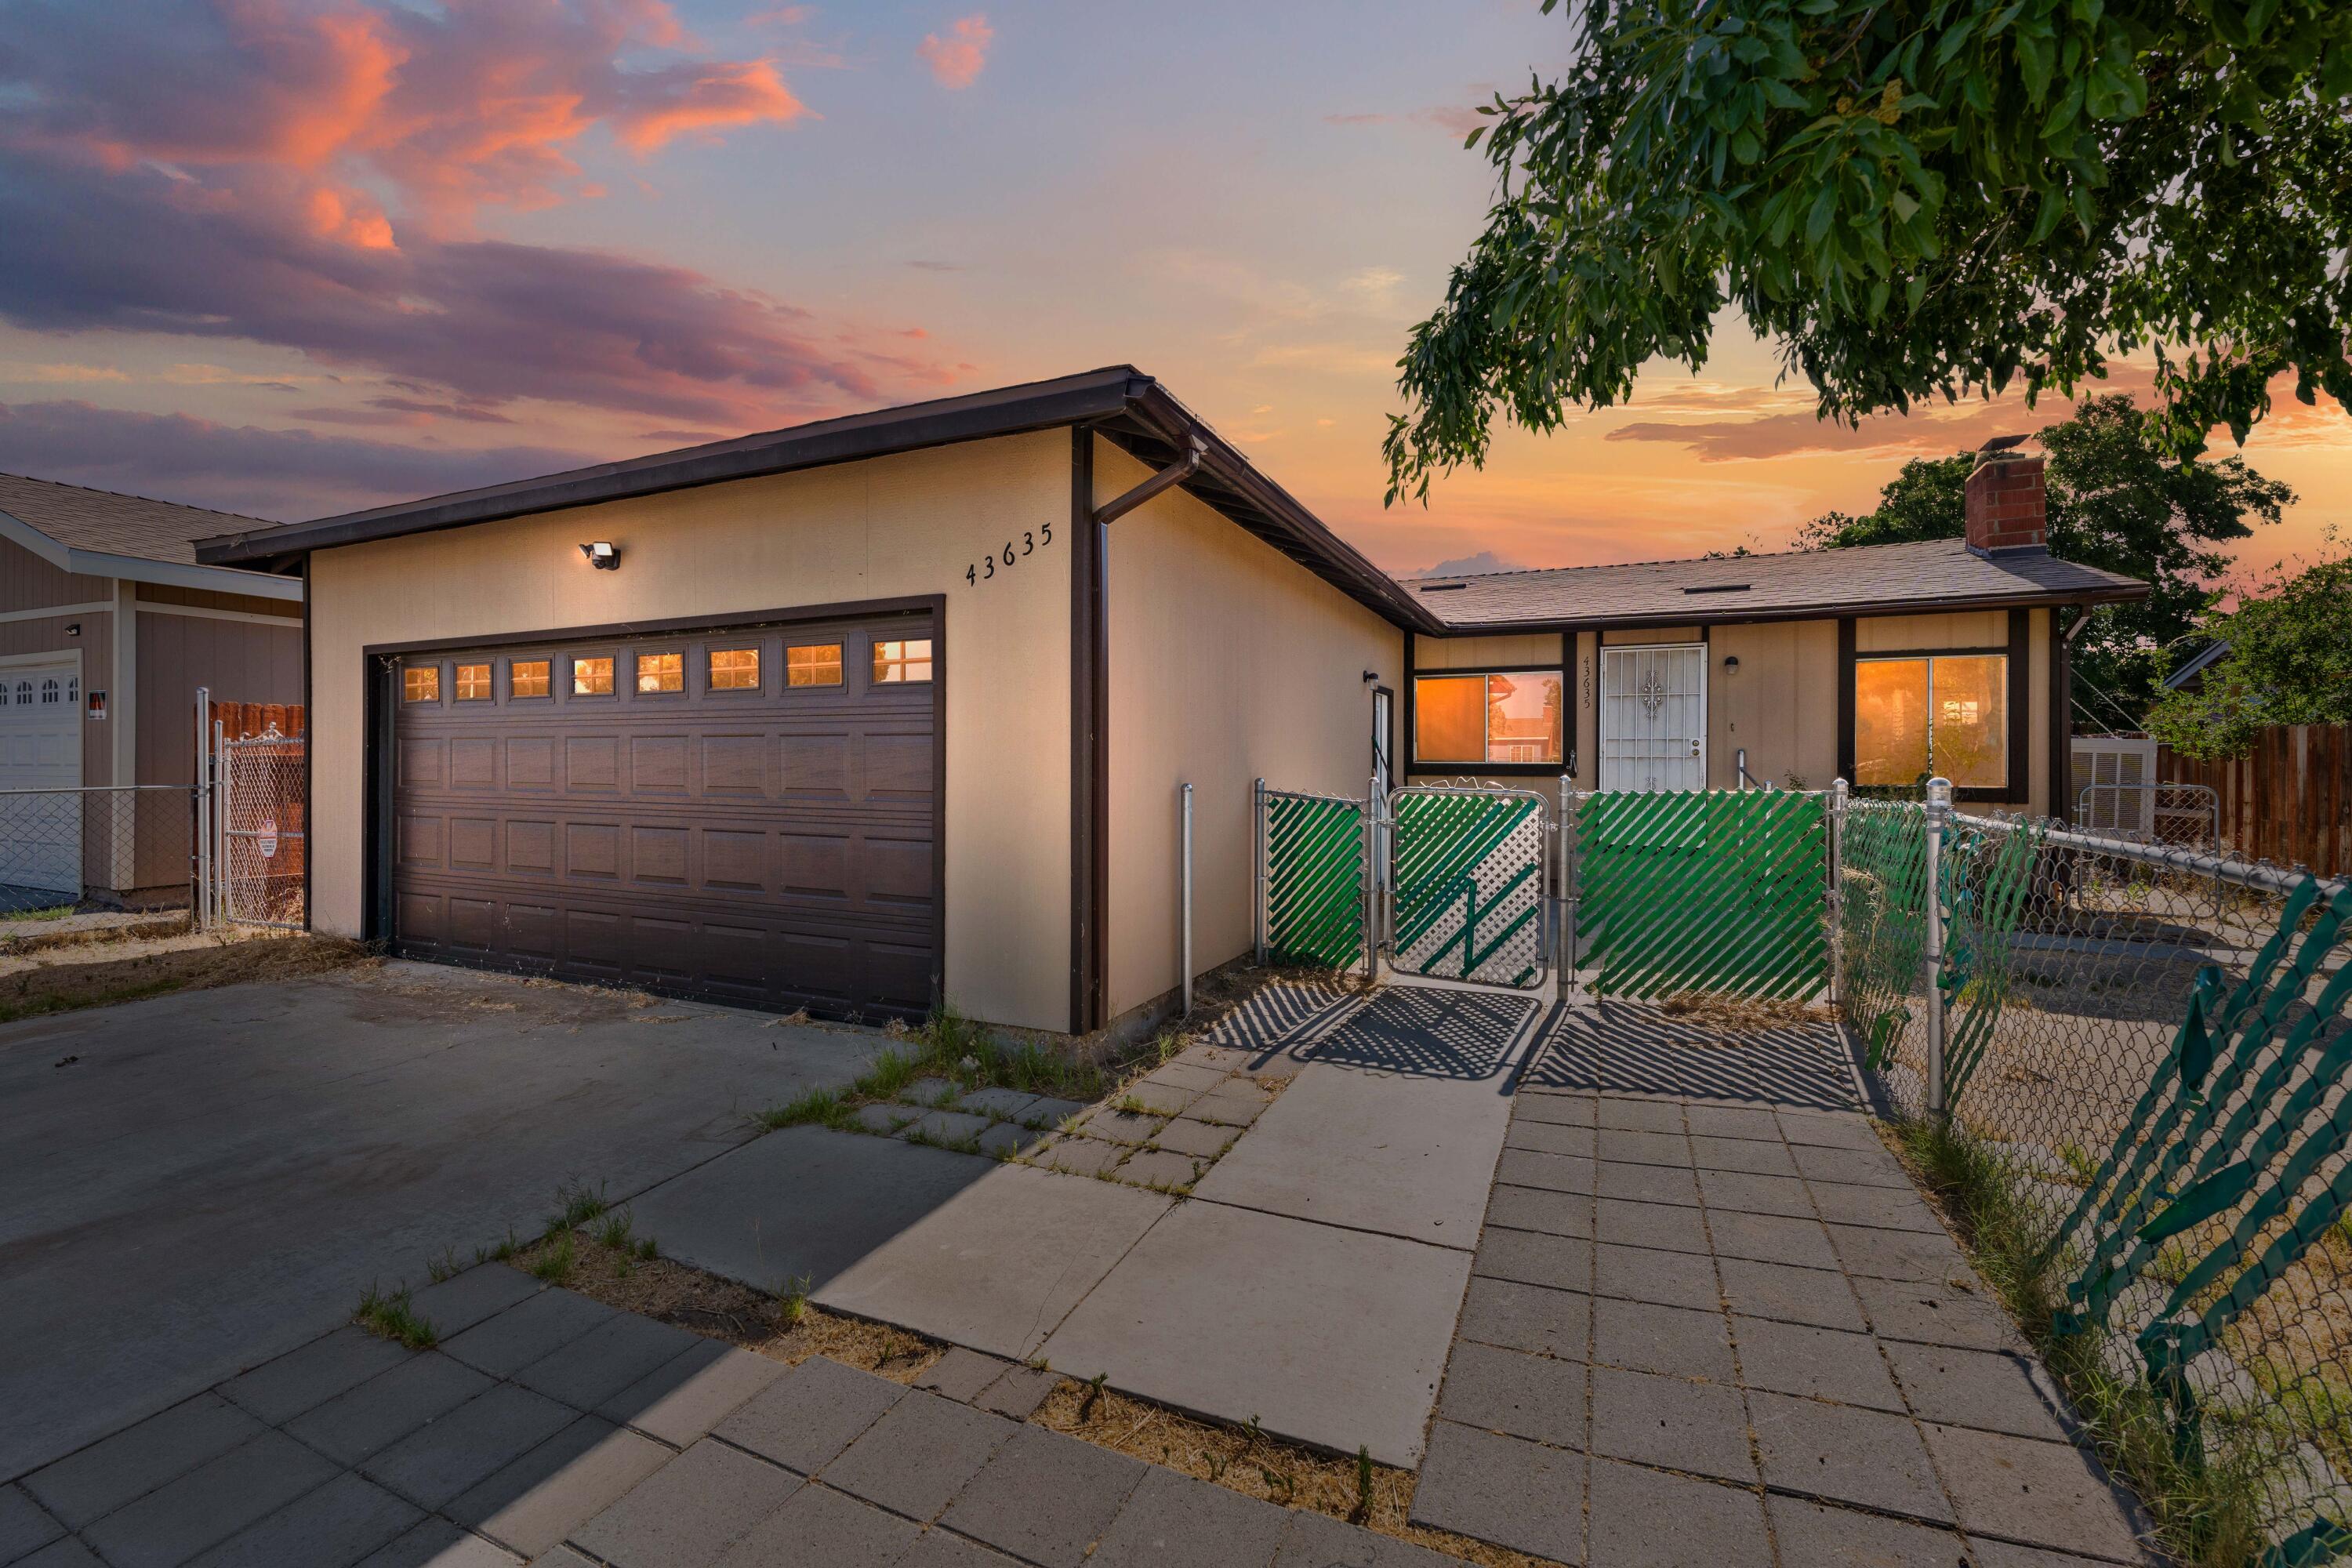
<point>552,1430</point>
<point>1712,1322</point>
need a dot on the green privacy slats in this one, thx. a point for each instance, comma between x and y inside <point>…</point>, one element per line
<point>1468,885</point>
<point>2213,1188</point>
<point>1883,926</point>
<point>1314,880</point>
<point>1985,880</point>
<point>1717,892</point>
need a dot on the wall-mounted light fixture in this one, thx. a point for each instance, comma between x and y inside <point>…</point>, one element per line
<point>604,555</point>
<point>1370,676</point>
<point>73,628</point>
<point>1731,664</point>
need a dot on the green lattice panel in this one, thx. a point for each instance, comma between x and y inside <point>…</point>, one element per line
<point>1716,891</point>
<point>1468,886</point>
<point>1314,881</point>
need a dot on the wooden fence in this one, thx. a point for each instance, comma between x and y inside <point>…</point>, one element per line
<point>244,721</point>
<point>2284,800</point>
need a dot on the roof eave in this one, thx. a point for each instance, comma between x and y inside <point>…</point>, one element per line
<point>80,563</point>
<point>1697,615</point>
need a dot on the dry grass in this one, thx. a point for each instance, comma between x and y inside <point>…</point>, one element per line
<point>1741,1015</point>
<point>1248,1462</point>
<point>101,973</point>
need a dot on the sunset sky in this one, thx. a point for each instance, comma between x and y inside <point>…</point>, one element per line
<point>294,259</point>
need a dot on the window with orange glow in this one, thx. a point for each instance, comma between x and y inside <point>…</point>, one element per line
<point>902,660</point>
<point>591,678</point>
<point>734,669</point>
<point>812,664</point>
<point>661,672</point>
<point>421,683</point>
<point>526,678</point>
<point>1942,714</point>
<point>1477,720</point>
<point>473,683</point>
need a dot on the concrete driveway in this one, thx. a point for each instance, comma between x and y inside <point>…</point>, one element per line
<point>193,1185</point>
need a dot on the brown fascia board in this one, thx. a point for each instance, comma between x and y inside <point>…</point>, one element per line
<point>2107,596</point>
<point>1115,396</point>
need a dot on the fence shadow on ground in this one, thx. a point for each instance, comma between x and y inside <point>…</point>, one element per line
<point>1429,1033</point>
<point>1631,1047</point>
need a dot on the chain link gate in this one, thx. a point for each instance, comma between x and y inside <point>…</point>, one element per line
<point>251,852</point>
<point>1467,885</point>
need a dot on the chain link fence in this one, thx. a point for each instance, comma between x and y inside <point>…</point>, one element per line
<point>2150,1043</point>
<point>254,865</point>
<point>64,851</point>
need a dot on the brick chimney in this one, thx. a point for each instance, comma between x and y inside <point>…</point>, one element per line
<point>2007,507</point>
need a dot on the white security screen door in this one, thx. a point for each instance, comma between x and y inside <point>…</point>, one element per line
<point>1654,716</point>
<point>40,749</point>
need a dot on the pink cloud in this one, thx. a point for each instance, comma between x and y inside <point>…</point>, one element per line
<point>957,59</point>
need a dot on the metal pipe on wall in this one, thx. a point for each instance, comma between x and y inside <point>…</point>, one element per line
<point>1187,908</point>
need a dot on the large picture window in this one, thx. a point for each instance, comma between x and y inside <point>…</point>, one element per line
<point>1918,717</point>
<point>1506,717</point>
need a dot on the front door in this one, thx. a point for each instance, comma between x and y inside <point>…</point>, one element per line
<point>1654,716</point>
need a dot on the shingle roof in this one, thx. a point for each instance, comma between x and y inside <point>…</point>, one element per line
<point>110,524</point>
<point>1935,574</point>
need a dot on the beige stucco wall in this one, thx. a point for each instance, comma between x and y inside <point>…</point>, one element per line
<point>1228,662</point>
<point>1531,650</point>
<point>886,528</point>
<point>1782,703</point>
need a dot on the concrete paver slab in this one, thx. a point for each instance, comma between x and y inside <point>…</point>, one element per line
<point>2050,1494</point>
<point>1669,1227</point>
<point>539,1498</point>
<point>1548,1138</point>
<point>1046,1497</point>
<point>998,1264</point>
<point>1897,1254</point>
<point>1076,1156</point>
<point>1010,1138</point>
<point>65,1553</point>
<point>1407,1157</point>
<point>1161,1099</point>
<point>1865,1456</point>
<point>1812,1533</point>
<point>342,1521</point>
<point>1048,1112</point>
<point>1649,1274</point>
<point>1527,1318</point>
<point>505,1345</point>
<point>1010,1102</point>
<point>1200,1140</point>
<point>1648,1519</point>
<point>1332,1337</point>
<point>819,1525</point>
<point>1017,1393</point>
<point>1159,1168</point>
<point>1816,1295</point>
<point>438,1543</point>
<point>606,1359</point>
<point>1743,1154</point>
<point>1636,1147</point>
<point>1820,1363</point>
<point>887,1118</point>
<point>1111,1125</point>
<point>302,1379</point>
<point>1751,1194</point>
<point>1531,1208</point>
<point>682,1400</point>
<point>1504,1489</point>
<point>1176,1521</point>
<point>1183,1074</point>
<point>209,1504</point>
<point>810,1415</point>
<point>25,1525</point>
<point>1228,1108</point>
<point>456,1304</point>
<point>1827,1130</point>
<point>1931,1312</point>
<point>136,1461</point>
<point>1561,1109</point>
<point>1676,1341</point>
<point>1842,1204</point>
<point>1548,1173</point>
<point>1860,1167</point>
<point>386,1408</point>
<point>435,1463</point>
<point>271,1150</point>
<point>1506,1391</point>
<point>1646,1184</point>
<point>938,1549</point>
<point>948,1128</point>
<point>1991,1554</point>
<point>961,1373</point>
<point>928,1091</point>
<point>1697,1427</point>
<point>1533,1258</point>
<point>1634,1114</point>
<point>919,1455</point>
<point>1770,1239</point>
<point>805,1201</point>
<point>1994,1390</point>
<point>1731,1122</point>
<point>688,1511</point>
<point>1318,1541</point>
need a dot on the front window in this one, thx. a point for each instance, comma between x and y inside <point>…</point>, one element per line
<point>903,660</point>
<point>473,683</point>
<point>1474,719</point>
<point>421,683</point>
<point>661,672</point>
<point>1946,714</point>
<point>591,678</point>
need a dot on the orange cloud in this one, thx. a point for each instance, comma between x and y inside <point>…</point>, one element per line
<point>956,59</point>
<point>710,98</point>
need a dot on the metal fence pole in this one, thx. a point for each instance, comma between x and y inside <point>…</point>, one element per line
<point>1188,898</point>
<point>1835,895</point>
<point>1566,963</point>
<point>202,848</point>
<point>1373,803</point>
<point>1257,869</point>
<point>1939,811</point>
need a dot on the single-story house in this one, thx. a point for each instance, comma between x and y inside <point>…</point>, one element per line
<point>107,626</point>
<point>891,709</point>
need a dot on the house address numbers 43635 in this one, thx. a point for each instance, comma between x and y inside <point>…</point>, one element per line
<point>1011,555</point>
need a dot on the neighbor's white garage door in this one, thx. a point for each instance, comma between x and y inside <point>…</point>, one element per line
<point>40,749</point>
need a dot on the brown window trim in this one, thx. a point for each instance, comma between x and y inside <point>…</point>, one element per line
<point>1409,742</point>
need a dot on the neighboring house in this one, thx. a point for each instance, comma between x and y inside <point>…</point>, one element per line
<point>874,712</point>
<point>2189,674</point>
<point>108,626</point>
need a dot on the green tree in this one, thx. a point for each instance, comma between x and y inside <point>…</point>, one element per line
<point>2290,662</point>
<point>1913,199</point>
<point>2118,501</point>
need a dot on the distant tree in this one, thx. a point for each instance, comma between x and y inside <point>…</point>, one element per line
<point>2289,662</point>
<point>2117,501</point>
<point>1913,199</point>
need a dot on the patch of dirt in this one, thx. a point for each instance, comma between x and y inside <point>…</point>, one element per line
<point>104,970</point>
<point>1247,1461</point>
<point>1741,1015</point>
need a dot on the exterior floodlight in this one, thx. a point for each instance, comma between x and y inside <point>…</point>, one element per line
<point>1731,664</point>
<point>602,555</point>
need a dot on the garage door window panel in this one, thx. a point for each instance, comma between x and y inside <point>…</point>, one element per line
<point>529,677</point>
<point>473,684</point>
<point>660,672</point>
<point>420,683</point>
<point>902,660</point>
<point>591,676</point>
<point>734,669</point>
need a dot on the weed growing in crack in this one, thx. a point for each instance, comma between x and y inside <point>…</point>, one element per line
<point>575,1206</point>
<point>613,1230</point>
<point>792,1301</point>
<point>393,1316</point>
<point>555,1264</point>
<point>445,1266</point>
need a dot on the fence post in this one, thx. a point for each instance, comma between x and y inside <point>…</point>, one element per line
<point>1373,803</point>
<point>1188,900</point>
<point>1257,870</point>
<point>1566,963</point>
<point>1939,811</point>
<point>200,851</point>
<point>1835,893</point>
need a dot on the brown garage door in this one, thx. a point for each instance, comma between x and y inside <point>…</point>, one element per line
<point>747,815</point>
